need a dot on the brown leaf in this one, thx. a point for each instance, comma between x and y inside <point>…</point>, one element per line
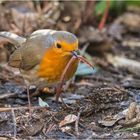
<point>131,111</point>
<point>68,119</point>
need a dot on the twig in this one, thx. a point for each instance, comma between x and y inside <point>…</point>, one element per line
<point>88,11</point>
<point>50,128</point>
<point>131,43</point>
<point>6,109</point>
<point>14,122</point>
<point>8,95</point>
<point>76,123</point>
<point>104,18</point>
<point>13,38</point>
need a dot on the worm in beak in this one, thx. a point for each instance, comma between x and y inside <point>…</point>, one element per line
<point>75,55</point>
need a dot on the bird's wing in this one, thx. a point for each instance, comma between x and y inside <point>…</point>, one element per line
<point>26,57</point>
<point>31,53</point>
<point>15,59</point>
<point>30,57</point>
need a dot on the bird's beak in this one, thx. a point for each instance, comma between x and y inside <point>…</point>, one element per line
<point>75,53</point>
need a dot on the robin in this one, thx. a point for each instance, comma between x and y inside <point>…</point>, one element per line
<point>43,56</point>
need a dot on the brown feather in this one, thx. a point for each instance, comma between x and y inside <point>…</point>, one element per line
<point>15,59</point>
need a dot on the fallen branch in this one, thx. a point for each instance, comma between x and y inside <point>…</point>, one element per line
<point>6,109</point>
<point>131,43</point>
<point>122,62</point>
<point>77,122</point>
<point>8,95</point>
<point>13,38</point>
<point>15,123</point>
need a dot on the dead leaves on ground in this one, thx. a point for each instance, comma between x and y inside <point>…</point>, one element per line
<point>128,119</point>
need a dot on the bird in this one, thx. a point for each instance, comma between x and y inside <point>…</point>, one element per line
<point>43,55</point>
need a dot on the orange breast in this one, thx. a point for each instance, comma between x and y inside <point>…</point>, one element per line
<point>52,66</point>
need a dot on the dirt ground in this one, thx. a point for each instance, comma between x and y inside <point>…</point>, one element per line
<point>102,105</point>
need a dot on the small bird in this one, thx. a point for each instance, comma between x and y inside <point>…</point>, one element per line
<point>43,56</point>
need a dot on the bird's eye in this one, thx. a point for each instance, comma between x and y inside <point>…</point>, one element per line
<point>58,46</point>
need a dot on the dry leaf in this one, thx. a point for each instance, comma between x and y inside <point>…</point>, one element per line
<point>131,113</point>
<point>68,119</point>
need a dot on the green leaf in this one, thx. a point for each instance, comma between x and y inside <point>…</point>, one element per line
<point>101,6</point>
<point>133,2</point>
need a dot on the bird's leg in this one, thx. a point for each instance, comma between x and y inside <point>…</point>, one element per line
<point>29,101</point>
<point>28,93</point>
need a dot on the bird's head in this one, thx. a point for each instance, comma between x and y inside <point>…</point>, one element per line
<point>65,43</point>
<point>62,43</point>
